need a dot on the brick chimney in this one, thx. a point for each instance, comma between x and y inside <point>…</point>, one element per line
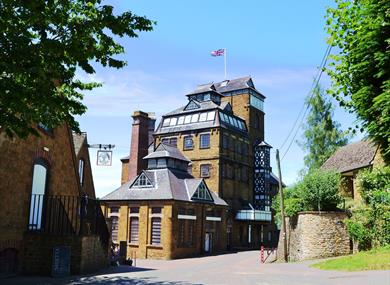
<point>142,124</point>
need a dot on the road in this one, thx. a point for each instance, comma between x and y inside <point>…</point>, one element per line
<point>236,268</point>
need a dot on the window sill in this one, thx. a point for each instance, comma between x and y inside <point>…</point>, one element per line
<point>204,147</point>
<point>184,149</point>
<point>133,244</point>
<point>154,246</point>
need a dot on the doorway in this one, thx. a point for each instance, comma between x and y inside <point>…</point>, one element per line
<point>208,243</point>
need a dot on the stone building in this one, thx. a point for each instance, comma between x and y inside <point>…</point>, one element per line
<point>220,130</point>
<point>164,212</point>
<point>349,160</point>
<point>42,181</point>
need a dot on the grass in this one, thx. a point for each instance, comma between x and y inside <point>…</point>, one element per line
<point>375,259</point>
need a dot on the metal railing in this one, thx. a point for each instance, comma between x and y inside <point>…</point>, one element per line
<point>67,215</point>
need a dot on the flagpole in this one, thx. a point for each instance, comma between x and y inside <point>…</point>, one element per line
<point>224,55</point>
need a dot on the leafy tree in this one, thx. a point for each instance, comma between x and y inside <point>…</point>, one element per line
<point>317,191</point>
<point>360,73</point>
<point>42,43</point>
<point>322,135</point>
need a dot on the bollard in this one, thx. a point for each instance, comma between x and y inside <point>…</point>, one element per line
<point>262,254</point>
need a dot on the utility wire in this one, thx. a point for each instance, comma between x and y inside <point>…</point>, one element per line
<point>315,84</point>
<point>304,103</point>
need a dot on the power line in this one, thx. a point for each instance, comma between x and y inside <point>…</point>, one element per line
<point>323,63</point>
<point>304,103</point>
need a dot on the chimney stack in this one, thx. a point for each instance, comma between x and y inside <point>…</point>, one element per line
<point>142,129</point>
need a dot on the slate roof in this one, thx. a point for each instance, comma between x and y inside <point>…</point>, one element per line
<point>202,88</point>
<point>234,84</point>
<point>79,140</point>
<point>204,106</point>
<point>350,157</point>
<point>164,150</point>
<point>168,184</point>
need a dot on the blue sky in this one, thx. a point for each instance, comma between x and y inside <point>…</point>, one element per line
<point>279,43</point>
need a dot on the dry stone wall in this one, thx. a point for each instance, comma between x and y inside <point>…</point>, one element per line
<point>312,235</point>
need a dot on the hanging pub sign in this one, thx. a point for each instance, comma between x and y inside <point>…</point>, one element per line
<point>104,158</point>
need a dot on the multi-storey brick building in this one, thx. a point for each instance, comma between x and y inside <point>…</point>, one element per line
<point>42,180</point>
<point>221,132</point>
<point>164,212</point>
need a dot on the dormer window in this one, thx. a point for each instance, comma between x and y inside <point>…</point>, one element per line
<point>202,193</point>
<point>142,181</point>
<point>192,105</point>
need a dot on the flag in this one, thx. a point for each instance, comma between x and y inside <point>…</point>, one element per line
<point>218,52</point>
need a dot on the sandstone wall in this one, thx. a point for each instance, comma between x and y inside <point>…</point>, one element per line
<point>312,235</point>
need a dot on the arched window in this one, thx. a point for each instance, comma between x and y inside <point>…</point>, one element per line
<point>38,189</point>
<point>81,171</point>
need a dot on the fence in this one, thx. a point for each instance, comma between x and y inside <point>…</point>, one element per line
<point>67,215</point>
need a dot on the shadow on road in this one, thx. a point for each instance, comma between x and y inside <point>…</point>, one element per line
<point>121,280</point>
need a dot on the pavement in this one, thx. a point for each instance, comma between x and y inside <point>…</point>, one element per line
<point>234,268</point>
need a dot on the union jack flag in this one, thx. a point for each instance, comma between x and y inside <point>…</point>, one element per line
<point>218,52</point>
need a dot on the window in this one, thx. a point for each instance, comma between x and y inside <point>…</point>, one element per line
<point>173,122</point>
<point>134,227</point>
<point>194,118</point>
<point>39,182</point>
<point>156,231</point>
<point>256,103</point>
<point>230,171</point>
<point>225,141</point>
<point>188,142</point>
<point>170,141</point>
<point>231,143</point>
<point>181,120</point>
<point>114,209</point>
<point>114,228</point>
<point>210,116</point>
<point>161,162</point>
<point>202,193</point>
<point>156,210</point>
<point>166,122</point>
<point>187,119</point>
<point>181,232</point>
<point>81,171</point>
<point>204,140</point>
<point>203,117</point>
<point>205,170</point>
<point>152,163</point>
<point>45,128</point>
<point>142,181</point>
<point>189,169</point>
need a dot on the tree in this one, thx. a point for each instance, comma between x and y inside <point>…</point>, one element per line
<point>322,135</point>
<point>42,44</point>
<point>360,73</point>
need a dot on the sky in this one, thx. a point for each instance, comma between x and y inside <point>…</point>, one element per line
<point>279,43</point>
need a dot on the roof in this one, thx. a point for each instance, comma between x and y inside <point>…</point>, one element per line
<point>168,184</point>
<point>79,140</point>
<point>234,84</point>
<point>206,106</point>
<point>350,157</point>
<point>164,150</point>
<point>202,88</point>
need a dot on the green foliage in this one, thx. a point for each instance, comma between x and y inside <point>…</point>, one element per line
<point>317,191</point>
<point>360,73</point>
<point>42,44</point>
<point>376,259</point>
<point>322,135</point>
<point>370,222</point>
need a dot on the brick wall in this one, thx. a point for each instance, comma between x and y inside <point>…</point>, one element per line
<point>311,235</point>
<point>87,253</point>
<point>16,169</point>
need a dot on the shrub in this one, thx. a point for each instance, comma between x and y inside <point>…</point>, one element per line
<point>318,190</point>
<point>370,222</point>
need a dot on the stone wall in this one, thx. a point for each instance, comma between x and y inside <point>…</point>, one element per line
<point>312,235</point>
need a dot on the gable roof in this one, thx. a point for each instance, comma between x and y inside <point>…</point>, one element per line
<point>350,157</point>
